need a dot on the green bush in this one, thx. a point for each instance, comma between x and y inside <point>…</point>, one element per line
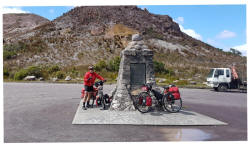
<point>151,33</point>
<point>53,69</point>
<point>60,75</point>
<point>9,54</point>
<point>30,71</point>
<point>34,71</point>
<point>74,73</point>
<point>159,67</point>
<point>114,64</point>
<point>20,74</point>
<point>11,50</point>
<point>100,65</point>
<point>6,73</point>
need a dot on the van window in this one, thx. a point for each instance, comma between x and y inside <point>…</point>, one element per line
<point>210,75</point>
<point>218,72</point>
<point>227,72</point>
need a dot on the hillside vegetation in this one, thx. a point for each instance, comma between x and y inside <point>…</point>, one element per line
<point>96,35</point>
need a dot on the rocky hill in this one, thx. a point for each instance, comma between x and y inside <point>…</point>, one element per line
<point>17,24</point>
<point>88,34</point>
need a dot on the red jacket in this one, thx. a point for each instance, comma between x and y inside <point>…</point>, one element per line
<point>91,81</point>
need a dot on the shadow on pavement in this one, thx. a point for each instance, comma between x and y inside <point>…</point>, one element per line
<point>186,113</point>
<point>159,113</point>
<point>230,91</point>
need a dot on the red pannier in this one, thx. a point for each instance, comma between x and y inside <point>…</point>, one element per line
<point>175,92</point>
<point>144,88</point>
<point>148,101</point>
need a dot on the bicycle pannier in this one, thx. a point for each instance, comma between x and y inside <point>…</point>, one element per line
<point>148,101</point>
<point>175,92</point>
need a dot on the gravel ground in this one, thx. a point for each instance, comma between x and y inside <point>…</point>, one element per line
<point>43,112</point>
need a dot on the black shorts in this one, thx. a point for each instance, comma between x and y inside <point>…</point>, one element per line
<point>88,88</point>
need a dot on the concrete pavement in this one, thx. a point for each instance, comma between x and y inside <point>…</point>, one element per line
<point>43,112</point>
<point>184,117</point>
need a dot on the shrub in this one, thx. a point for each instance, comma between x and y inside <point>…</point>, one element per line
<point>34,71</point>
<point>74,73</point>
<point>114,64</point>
<point>15,47</point>
<point>9,54</point>
<point>159,67</point>
<point>53,69</point>
<point>60,75</point>
<point>100,65</point>
<point>6,73</point>
<point>150,32</point>
<point>30,71</point>
<point>20,74</point>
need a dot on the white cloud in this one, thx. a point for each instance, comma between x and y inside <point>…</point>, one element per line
<point>13,10</point>
<point>242,49</point>
<point>179,20</point>
<point>226,34</point>
<point>191,33</point>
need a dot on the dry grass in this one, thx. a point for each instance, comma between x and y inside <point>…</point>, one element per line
<point>120,30</point>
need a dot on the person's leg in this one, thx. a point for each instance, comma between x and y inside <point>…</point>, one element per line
<point>91,89</point>
<point>84,101</point>
<point>89,97</point>
<point>85,97</point>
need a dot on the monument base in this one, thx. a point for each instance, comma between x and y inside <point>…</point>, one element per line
<point>136,68</point>
<point>122,100</point>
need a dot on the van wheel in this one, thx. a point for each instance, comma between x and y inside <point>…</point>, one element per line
<point>222,88</point>
<point>215,88</point>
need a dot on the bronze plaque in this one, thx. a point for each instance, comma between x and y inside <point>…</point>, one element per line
<point>137,73</point>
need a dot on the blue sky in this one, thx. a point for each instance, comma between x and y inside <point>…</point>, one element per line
<point>223,26</point>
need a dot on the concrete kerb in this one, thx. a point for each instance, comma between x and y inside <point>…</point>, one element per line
<point>95,116</point>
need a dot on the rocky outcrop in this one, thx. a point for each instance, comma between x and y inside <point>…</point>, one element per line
<point>17,24</point>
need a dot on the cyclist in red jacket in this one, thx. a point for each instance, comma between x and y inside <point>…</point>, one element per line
<point>89,80</point>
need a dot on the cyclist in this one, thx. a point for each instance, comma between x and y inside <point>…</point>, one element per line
<point>89,80</point>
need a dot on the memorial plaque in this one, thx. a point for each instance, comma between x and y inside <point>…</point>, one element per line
<point>137,73</point>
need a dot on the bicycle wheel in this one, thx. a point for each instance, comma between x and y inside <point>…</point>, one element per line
<point>170,104</point>
<point>140,102</point>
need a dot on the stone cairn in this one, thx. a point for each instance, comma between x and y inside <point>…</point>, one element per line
<point>135,53</point>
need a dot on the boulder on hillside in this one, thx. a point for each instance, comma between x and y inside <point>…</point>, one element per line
<point>193,82</point>
<point>136,37</point>
<point>30,78</point>
<point>41,79</point>
<point>68,78</point>
<point>54,79</point>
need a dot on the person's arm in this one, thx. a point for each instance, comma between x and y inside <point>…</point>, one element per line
<point>99,77</point>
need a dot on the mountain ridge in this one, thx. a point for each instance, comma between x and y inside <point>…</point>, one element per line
<point>87,34</point>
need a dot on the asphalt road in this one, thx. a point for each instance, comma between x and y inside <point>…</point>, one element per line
<point>43,112</point>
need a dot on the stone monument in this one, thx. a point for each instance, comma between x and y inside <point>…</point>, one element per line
<point>136,68</point>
